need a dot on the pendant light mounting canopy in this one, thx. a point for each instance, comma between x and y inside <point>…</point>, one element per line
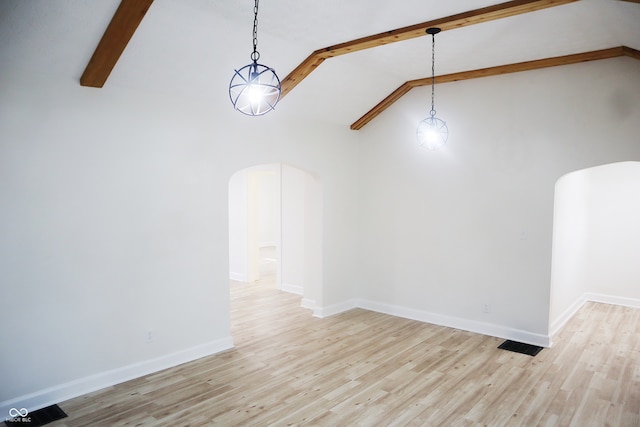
<point>433,30</point>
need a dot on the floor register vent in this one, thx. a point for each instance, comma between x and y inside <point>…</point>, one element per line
<point>519,347</point>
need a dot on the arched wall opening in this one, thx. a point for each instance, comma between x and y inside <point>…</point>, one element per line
<point>277,206</point>
<point>596,240</point>
<point>254,223</point>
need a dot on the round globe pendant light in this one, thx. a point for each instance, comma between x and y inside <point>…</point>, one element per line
<point>255,88</point>
<point>432,132</point>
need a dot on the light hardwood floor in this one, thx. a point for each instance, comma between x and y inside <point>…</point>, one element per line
<point>362,368</point>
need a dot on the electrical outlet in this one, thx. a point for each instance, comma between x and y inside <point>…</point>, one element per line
<point>148,336</point>
<point>486,308</point>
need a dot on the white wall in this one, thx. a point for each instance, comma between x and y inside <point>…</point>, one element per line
<point>570,247</point>
<point>316,291</point>
<point>254,219</point>
<point>277,205</point>
<point>269,206</point>
<point>263,215</point>
<point>614,237</point>
<point>115,219</point>
<point>293,233</point>
<point>442,230</point>
<point>302,236</point>
<point>115,222</point>
<point>238,220</point>
<point>111,227</point>
<point>596,239</point>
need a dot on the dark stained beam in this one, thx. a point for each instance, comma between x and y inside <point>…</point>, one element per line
<point>494,71</point>
<point>114,40</point>
<point>477,16</point>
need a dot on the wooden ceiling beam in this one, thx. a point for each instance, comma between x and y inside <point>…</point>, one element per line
<point>305,68</point>
<point>630,52</point>
<point>402,90</point>
<point>114,40</point>
<point>494,71</point>
<point>477,16</point>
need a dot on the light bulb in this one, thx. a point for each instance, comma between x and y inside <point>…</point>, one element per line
<point>432,133</point>
<point>255,94</point>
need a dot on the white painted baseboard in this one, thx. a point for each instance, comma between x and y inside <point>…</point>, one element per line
<point>294,289</point>
<point>612,299</point>
<point>66,391</point>
<point>334,309</point>
<point>484,328</point>
<point>239,277</point>
<point>437,319</point>
<point>559,322</point>
<point>308,303</point>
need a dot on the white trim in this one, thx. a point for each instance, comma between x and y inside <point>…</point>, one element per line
<point>437,319</point>
<point>562,320</point>
<point>294,289</point>
<point>334,309</point>
<point>238,277</point>
<point>61,392</point>
<point>612,299</point>
<point>66,391</point>
<point>308,303</point>
<point>484,328</point>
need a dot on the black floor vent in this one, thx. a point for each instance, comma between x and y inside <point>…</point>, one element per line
<point>519,347</point>
<point>20,417</point>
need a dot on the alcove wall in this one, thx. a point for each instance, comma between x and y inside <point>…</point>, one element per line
<point>596,239</point>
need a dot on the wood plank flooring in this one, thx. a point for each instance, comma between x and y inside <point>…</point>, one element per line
<point>362,368</point>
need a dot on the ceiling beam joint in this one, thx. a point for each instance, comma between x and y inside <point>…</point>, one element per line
<point>477,16</point>
<point>613,52</point>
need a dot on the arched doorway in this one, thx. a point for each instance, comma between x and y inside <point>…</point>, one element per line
<point>275,227</point>
<point>255,223</point>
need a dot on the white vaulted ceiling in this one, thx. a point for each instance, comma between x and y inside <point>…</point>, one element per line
<point>189,48</point>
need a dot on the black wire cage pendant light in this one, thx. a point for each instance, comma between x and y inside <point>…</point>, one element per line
<point>432,132</point>
<point>255,88</point>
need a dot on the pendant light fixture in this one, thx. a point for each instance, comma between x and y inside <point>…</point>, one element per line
<point>432,132</point>
<point>255,88</point>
